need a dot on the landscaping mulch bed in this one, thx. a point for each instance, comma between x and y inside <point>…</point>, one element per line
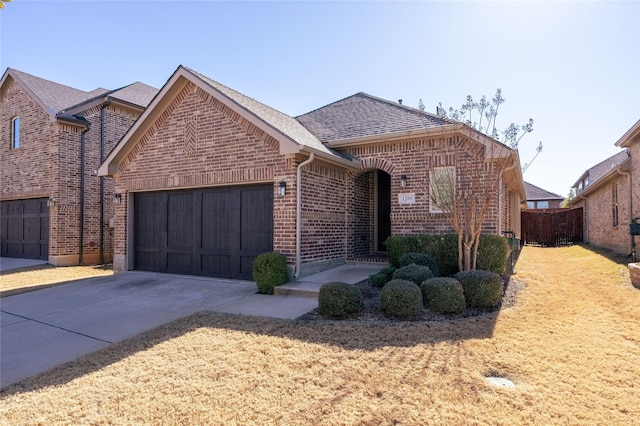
<point>371,306</point>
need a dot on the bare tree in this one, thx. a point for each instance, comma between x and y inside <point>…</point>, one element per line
<point>465,200</point>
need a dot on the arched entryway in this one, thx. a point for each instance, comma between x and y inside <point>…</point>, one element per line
<point>369,212</point>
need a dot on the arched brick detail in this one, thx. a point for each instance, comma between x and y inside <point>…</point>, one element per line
<point>370,163</point>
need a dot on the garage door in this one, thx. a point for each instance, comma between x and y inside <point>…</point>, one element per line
<point>214,232</point>
<point>24,229</point>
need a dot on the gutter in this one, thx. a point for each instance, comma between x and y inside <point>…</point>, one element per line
<point>312,156</point>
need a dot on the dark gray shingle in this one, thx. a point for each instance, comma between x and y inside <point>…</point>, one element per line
<point>363,115</point>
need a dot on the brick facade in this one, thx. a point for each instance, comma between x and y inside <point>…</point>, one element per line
<point>193,137</point>
<point>48,165</point>
<point>225,150</point>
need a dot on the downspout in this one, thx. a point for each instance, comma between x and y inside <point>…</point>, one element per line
<point>102,142</point>
<point>298,211</point>
<point>628,175</point>
<point>81,227</point>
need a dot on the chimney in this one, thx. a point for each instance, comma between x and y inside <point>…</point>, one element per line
<point>400,101</point>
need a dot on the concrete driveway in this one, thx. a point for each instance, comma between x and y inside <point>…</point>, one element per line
<point>45,328</point>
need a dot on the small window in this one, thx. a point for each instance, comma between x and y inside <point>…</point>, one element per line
<point>15,133</point>
<point>543,204</point>
<point>531,204</point>
<point>614,204</point>
<point>442,186</point>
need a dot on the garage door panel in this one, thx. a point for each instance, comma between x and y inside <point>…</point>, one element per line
<point>214,232</point>
<point>24,228</point>
<point>216,265</point>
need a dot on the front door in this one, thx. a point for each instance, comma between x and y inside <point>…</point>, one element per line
<point>383,209</point>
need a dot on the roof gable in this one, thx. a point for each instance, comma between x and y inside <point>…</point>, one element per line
<point>290,134</point>
<point>53,97</point>
<point>363,115</point>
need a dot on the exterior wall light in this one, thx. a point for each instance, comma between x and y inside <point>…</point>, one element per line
<point>282,188</point>
<point>403,181</point>
<point>51,202</point>
<point>117,199</point>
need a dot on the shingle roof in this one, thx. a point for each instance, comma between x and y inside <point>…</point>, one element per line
<point>137,93</point>
<point>537,193</point>
<point>56,96</point>
<point>364,115</point>
<point>276,119</point>
<point>600,169</point>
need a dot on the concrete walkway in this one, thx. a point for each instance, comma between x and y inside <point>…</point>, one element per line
<point>48,327</point>
<point>9,263</point>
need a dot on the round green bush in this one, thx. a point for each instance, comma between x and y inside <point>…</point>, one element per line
<point>443,295</point>
<point>482,289</point>
<point>269,271</point>
<point>401,298</point>
<point>379,279</point>
<point>413,272</point>
<point>338,299</point>
<point>420,259</point>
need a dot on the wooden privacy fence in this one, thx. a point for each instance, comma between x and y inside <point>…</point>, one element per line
<point>553,227</point>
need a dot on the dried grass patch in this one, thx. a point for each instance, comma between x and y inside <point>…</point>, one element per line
<point>37,277</point>
<point>571,344</point>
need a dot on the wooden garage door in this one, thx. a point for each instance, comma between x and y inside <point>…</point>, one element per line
<point>215,232</point>
<point>24,229</point>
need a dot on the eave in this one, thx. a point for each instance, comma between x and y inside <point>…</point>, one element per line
<point>632,135</point>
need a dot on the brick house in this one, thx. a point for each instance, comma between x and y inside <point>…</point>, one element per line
<point>541,199</point>
<point>209,178</point>
<point>53,206</point>
<point>610,197</point>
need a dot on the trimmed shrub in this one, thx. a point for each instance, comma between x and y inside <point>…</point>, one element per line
<point>338,299</point>
<point>379,279</point>
<point>492,252</point>
<point>401,298</point>
<point>443,295</point>
<point>419,259</point>
<point>482,289</point>
<point>415,273</point>
<point>269,271</point>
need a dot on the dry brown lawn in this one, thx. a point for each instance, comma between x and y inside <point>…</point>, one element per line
<point>37,277</point>
<point>571,344</point>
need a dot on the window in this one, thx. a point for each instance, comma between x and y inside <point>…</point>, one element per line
<point>614,204</point>
<point>531,204</point>
<point>543,204</point>
<point>15,133</point>
<point>442,185</point>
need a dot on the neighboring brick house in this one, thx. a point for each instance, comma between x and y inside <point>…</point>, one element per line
<point>210,178</point>
<point>610,197</point>
<point>54,138</point>
<point>541,199</point>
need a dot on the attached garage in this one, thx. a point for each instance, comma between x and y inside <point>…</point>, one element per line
<point>216,232</point>
<point>24,229</point>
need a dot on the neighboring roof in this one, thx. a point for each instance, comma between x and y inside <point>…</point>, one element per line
<point>59,100</point>
<point>632,135</point>
<point>536,193</point>
<point>599,170</point>
<point>291,135</point>
<point>364,115</point>
<point>54,97</point>
<point>137,93</point>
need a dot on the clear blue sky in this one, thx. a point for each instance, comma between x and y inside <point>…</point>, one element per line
<point>574,67</point>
